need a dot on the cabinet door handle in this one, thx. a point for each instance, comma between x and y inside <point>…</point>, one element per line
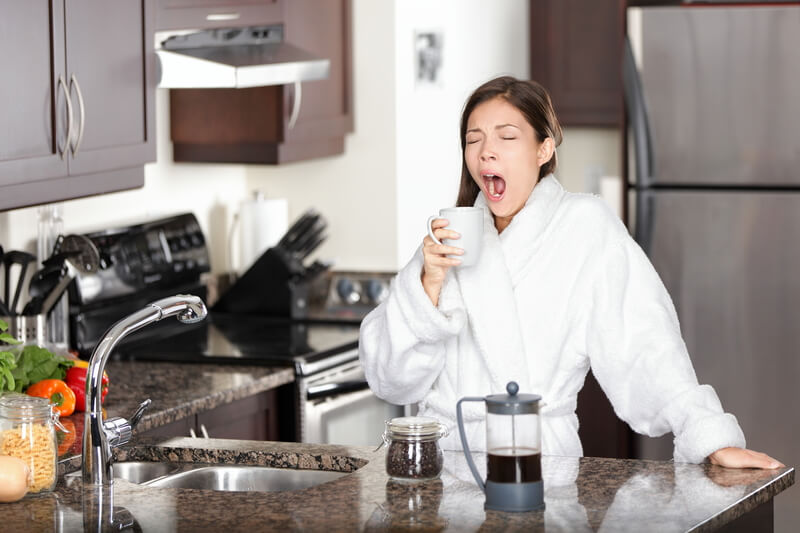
<point>297,100</point>
<point>74,81</point>
<point>68,102</point>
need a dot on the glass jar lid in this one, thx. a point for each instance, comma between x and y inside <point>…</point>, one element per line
<point>15,406</point>
<point>415,428</point>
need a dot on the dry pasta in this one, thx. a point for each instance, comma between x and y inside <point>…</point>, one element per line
<point>34,444</point>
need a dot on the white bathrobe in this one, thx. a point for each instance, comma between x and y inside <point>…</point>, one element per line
<point>562,288</point>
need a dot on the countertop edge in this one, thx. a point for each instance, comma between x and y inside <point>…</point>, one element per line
<point>747,503</point>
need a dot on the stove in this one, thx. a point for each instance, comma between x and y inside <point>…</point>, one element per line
<point>308,346</point>
<point>284,325</point>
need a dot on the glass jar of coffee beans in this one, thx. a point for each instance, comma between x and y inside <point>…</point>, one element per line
<point>413,452</point>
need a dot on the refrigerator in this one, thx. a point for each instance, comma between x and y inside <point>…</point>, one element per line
<point>712,103</point>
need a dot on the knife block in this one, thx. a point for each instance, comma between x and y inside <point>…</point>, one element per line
<point>273,286</point>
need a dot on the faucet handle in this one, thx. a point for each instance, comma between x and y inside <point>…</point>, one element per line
<point>137,415</point>
<point>119,431</point>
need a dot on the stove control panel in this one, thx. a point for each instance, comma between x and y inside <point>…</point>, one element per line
<point>358,288</point>
<point>351,295</point>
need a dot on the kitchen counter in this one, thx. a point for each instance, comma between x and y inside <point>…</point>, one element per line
<point>176,391</point>
<point>583,494</point>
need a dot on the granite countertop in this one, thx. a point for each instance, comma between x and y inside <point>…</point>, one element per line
<point>176,390</point>
<point>581,494</point>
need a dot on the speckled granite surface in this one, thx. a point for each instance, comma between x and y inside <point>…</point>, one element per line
<point>176,391</point>
<point>581,495</point>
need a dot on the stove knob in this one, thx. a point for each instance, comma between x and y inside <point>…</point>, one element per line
<point>377,291</point>
<point>348,291</point>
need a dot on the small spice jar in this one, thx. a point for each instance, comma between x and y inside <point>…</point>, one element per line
<point>414,453</point>
<point>27,431</point>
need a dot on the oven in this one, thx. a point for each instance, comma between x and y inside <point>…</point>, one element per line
<point>329,402</point>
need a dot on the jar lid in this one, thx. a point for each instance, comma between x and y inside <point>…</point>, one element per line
<point>415,427</point>
<point>513,403</point>
<point>23,407</point>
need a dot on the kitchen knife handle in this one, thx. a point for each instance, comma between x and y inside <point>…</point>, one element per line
<point>68,102</point>
<point>74,80</point>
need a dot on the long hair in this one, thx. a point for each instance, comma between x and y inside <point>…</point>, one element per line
<point>532,101</point>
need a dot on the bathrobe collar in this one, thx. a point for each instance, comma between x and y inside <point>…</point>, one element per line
<point>487,288</point>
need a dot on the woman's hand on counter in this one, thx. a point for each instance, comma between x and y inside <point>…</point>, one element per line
<point>742,458</point>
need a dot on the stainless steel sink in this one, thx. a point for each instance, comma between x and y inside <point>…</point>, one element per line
<point>141,472</point>
<point>235,478</point>
<point>241,478</point>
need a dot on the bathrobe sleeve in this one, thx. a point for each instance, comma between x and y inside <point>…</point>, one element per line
<point>402,341</point>
<point>640,360</point>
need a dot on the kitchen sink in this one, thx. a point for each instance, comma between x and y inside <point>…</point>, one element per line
<point>241,478</point>
<point>234,478</point>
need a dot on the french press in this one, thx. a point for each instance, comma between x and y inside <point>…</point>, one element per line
<point>513,450</point>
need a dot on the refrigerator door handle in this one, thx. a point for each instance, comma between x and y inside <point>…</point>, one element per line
<point>637,116</point>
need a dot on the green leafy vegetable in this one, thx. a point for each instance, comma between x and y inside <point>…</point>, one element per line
<point>31,364</point>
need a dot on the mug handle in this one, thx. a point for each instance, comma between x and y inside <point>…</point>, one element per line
<point>464,444</point>
<point>430,231</point>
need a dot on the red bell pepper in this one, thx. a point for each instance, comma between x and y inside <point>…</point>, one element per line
<point>76,380</point>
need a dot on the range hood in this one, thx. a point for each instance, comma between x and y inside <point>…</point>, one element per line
<point>236,58</point>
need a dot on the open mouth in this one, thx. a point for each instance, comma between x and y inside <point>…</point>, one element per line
<point>495,185</point>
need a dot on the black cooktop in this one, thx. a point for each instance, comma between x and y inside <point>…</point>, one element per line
<point>251,340</point>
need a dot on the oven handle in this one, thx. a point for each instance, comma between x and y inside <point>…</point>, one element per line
<point>333,389</point>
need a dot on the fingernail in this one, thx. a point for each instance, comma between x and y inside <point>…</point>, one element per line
<point>775,464</point>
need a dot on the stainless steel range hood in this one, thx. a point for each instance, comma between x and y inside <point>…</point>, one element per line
<point>236,58</point>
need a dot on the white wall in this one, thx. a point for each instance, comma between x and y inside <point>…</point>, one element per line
<point>478,44</point>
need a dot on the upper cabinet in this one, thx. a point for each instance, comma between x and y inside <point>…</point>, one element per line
<point>77,98</point>
<point>576,53</point>
<point>279,123</point>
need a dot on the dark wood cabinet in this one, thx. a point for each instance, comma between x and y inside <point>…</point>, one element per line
<point>253,125</point>
<point>576,53</point>
<point>77,98</point>
<point>251,418</point>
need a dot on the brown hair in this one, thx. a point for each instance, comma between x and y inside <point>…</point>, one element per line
<point>532,101</point>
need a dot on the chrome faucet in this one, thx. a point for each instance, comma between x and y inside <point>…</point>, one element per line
<point>99,436</point>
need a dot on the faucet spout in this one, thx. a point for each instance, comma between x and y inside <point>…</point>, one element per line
<point>99,436</point>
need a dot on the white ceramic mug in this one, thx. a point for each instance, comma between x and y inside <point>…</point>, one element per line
<point>468,222</point>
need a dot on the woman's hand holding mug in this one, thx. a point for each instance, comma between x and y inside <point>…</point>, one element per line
<point>440,251</point>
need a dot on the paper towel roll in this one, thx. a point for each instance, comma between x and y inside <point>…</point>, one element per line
<point>263,221</point>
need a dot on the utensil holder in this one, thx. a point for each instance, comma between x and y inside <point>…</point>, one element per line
<point>30,329</point>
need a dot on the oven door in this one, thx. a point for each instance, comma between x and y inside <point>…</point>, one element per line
<point>338,407</point>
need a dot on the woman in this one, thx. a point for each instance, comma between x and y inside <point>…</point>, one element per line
<point>560,286</point>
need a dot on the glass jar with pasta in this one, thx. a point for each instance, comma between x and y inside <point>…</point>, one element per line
<point>27,431</point>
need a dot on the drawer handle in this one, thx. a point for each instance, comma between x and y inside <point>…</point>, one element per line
<point>222,16</point>
<point>68,139</point>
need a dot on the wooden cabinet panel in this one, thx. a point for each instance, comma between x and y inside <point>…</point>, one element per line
<point>252,125</point>
<point>110,57</point>
<point>576,53</point>
<point>78,111</point>
<point>251,418</point>
<point>30,92</point>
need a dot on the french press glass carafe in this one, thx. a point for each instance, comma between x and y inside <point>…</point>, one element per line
<point>513,450</point>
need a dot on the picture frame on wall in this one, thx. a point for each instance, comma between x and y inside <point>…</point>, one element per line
<point>428,47</point>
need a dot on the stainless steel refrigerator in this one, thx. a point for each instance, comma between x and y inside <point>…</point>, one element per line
<point>713,110</point>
